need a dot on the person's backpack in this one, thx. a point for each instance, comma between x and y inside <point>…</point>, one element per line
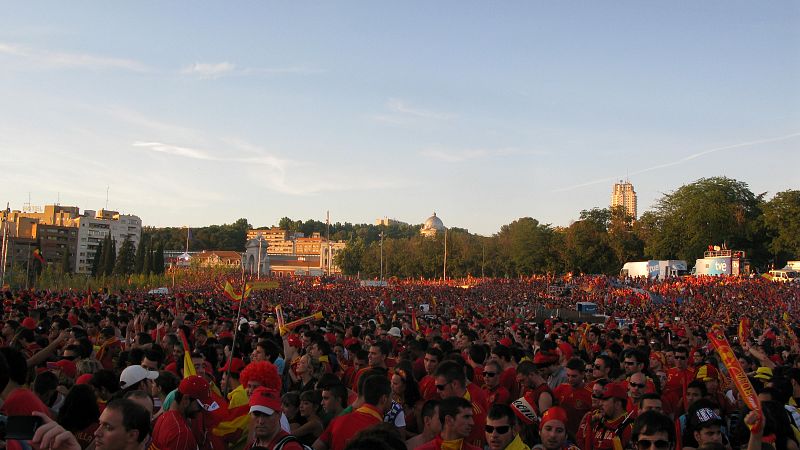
<point>287,439</point>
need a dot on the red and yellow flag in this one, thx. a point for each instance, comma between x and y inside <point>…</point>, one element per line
<point>744,329</point>
<point>414,322</point>
<point>231,293</point>
<point>38,255</point>
<point>188,365</point>
<point>737,374</point>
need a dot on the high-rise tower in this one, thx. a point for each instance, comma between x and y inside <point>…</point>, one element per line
<point>624,195</point>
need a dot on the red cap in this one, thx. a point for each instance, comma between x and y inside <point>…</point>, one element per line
<point>265,400</point>
<point>294,341</point>
<point>66,366</point>
<point>615,390</point>
<point>554,413</point>
<point>29,323</point>
<point>197,387</point>
<point>505,342</point>
<point>545,358</point>
<point>236,365</point>
<point>84,379</point>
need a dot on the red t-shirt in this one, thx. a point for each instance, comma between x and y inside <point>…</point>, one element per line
<point>343,428</point>
<point>480,408</point>
<point>508,379</point>
<point>498,395</point>
<point>290,445</point>
<point>576,402</point>
<point>436,444</point>
<point>602,436</point>
<point>172,433</point>
<point>427,388</point>
<point>22,402</point>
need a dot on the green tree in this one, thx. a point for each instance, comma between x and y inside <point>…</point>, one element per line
<point>349,259</point>
<point>158,259</point>
<point>97,261</point>
<point>140,254</point>
<point>126,258</point>
<point>66,267</point>
<point>526,244</point>
<point>709,211</point>
<point>147,259</point>
<point>585,248</point>
<point>110,257</point>
<point>782,222</point>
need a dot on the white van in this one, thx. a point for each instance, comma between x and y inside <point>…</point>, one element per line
<point>784,276</point>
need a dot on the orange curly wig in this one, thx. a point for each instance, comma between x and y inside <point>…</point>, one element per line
<point>262,371</point>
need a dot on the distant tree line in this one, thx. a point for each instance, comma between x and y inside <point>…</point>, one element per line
<point>682,224</point>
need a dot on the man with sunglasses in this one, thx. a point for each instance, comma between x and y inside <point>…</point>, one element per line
<point>451,381</point>
<point>501,429</point>
<point>495,393</point>
<point>653,431</point>
<point>678,379</point>
<point>637,386</point>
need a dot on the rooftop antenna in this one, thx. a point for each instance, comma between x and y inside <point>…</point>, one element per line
<point>106,198</point>
<point>58,199</point>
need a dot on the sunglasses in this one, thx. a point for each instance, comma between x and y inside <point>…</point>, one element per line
<point>647,443</point>
<point>502,429</point>
<point>440,387</point>
<point>680,357</point>
<point>589,369</point>
<point>638,385</point>
<point>489,374</point>
<point>598,396</point>
<point>629,363</point>
<point>598,367</point>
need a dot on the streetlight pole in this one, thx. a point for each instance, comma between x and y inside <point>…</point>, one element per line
<point>381,255</point>
<point>444,269</point>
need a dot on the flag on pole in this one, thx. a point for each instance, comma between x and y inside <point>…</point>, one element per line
<point>414,322</point>
<point>188,365</point>
<point>231,293</point>
<point>38,255</point>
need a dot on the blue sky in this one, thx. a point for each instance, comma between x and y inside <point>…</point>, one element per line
<point>202,113</point>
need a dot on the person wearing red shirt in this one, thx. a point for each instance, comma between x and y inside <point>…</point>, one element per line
<point>452,382</point>
<point>678,379</point>
<point>172,430</point>
<point>574,396</point>
<point>265,420</point>
<point>427,385</point>
<point>458,424</point>
<point>615,425</point>
<point>495,394</point>
<point>377,391</point>
<point>508,377</point>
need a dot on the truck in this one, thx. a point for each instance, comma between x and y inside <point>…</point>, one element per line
<point>656,269</point>
<point>784,276</point>
<point>722,261</point>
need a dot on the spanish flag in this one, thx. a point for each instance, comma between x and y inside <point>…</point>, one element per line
<point>188,365</point>
<point>38,255</point>
<point>414,322</point>
<point>231,293</point>
<point>744,329</point>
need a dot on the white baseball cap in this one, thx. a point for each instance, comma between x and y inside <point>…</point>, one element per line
<point>134,374</point>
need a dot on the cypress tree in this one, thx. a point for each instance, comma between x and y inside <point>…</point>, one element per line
<point>97,261</point>
<point>159,259</point>
<point>65,265</point>
<point>147,259</point>
<point>140,254</point>
<point>111,257</point>
<point>125,259</point>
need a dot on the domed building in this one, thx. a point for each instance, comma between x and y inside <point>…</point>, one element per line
<point>432,226</point>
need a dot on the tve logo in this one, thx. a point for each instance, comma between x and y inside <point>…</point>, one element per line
<point>721,267</point>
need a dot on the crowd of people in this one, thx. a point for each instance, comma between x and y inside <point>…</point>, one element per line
<point>462,364</point>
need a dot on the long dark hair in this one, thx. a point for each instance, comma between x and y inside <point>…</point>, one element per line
<point>79,409</point>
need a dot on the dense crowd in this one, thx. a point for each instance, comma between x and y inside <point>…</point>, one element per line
<point>462,364</point>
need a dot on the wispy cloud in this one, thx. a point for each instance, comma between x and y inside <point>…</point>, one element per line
<point>193,153</point>
<point>684,160</point>
<point>217,70</point>
<point>455,155</point>
<point>47,59</point>
<point>209,70</point>
<point>397,105</point>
